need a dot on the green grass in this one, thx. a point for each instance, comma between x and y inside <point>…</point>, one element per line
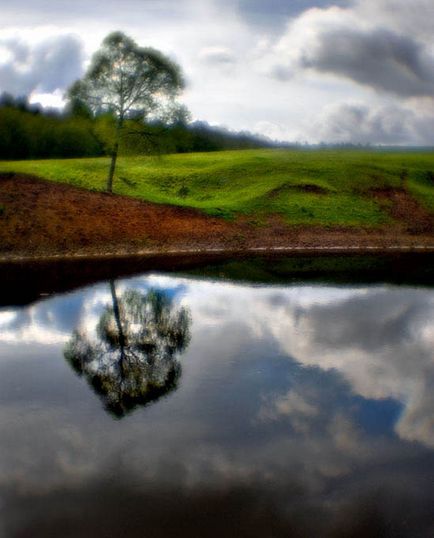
<point>305,187</point>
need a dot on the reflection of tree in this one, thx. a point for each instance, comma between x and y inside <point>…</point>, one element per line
<point>133,359</point>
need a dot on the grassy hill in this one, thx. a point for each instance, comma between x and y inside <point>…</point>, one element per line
<point>305,187</point>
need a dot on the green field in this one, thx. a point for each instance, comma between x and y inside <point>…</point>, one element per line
<point>305,187</point>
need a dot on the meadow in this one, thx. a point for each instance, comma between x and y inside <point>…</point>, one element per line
<point>318,187</point>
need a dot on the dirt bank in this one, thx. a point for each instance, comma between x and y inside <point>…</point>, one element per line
<point>39,218</point>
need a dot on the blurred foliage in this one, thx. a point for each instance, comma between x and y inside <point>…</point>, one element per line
<point>31,132</point>
<point>28,132</point>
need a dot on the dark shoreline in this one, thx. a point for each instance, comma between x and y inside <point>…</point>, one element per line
<point>26,281</point>
<point>150,254</point>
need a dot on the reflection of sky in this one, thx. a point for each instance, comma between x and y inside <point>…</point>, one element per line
<point>325,390</point>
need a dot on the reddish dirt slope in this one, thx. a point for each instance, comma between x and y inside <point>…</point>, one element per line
<point>47,215</point>
<point>413,218</point>
<point>41,217</point>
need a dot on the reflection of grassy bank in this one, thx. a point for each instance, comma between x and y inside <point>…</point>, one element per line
<point>304,187</point>
<point>408,269</point>
<point>25,283</point>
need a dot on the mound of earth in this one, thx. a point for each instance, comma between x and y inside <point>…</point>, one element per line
<point>298,187</point>
<point>405,209</point>
<point>40,218</point>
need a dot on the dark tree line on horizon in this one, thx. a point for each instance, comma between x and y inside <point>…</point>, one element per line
<point>29,131</point>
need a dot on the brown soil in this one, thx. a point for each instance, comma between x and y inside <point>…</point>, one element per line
<point>42,218</point>
<point>302,187</point>
<point>414,218</point>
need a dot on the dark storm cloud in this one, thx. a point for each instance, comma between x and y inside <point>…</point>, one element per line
<point>44,67</point>
<point>274,14</point>
<point>270,15</point>
<point>27,8</point>
<point>381,59</point>
<point>361,124</point>
<point>37,11</point>
<point>381,45</point>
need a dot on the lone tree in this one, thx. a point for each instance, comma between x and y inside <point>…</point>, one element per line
<point>127,81</point>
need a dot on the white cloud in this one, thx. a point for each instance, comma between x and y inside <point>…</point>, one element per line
<point>217,55</point>
<point>275,131</point>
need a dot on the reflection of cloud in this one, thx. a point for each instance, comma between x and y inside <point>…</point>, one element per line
<point>273,394</point>
<point>367,334</point>
<point>69,467</point>
<point>66,455</point>
<point>48,321</point>
<point>379,339</point>
<point>417,423</point>
<point>301,412</point>
<point>111,507</point>
<point>381,343</point>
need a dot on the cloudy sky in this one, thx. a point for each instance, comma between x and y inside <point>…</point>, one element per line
<point>300,70</point>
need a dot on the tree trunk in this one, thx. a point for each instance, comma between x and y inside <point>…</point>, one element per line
<point>109,186</point>
<point>117,316</point>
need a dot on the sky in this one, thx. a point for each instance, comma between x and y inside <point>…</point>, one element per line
<point>335,71</point>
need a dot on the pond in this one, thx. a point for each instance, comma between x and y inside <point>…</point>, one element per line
<point>231,400</point>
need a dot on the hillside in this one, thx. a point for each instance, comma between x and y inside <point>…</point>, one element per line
<point>343,188</point>
<point>267,199</point>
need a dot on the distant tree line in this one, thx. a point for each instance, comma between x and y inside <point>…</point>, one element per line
<point>29,131</point>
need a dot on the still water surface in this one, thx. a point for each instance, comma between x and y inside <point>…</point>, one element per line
<point>165,405</point>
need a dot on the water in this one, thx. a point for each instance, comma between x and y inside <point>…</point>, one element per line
<point>168,405</point>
